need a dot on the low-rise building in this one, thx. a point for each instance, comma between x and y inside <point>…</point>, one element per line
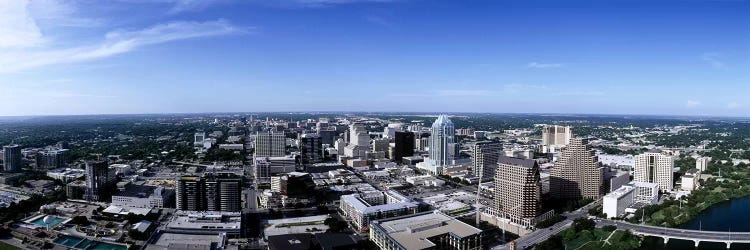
<point>615,203</point>
<point>66,174</point>
<point>690,180</point>
<point>188,222</point>
<point>360,209</point>
<point>142,196</point>
<point>429,230</point>
<point>425,180</point>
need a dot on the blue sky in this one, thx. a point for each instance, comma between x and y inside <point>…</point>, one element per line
<point>60,57</point>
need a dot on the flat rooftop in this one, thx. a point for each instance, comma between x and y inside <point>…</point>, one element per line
<point>412,231</point>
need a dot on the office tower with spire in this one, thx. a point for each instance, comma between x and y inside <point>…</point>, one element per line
<point>655,167</point>
<point>577,174</point>
<point>442,142</point>
<point>12,159</point>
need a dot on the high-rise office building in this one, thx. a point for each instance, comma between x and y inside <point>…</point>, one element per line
<point>12,159</point>
<point>189,192</point>
<point>403,145</point>
<point>702,163</point>
<point>442,142</point>
<point>270,144</point>
<point>311,148</point>
<point>577,174</point>
<point>51,158</point>
<point>359,141</point>
<point>98,180</point>
<point>654,167</point>
<point>518,190</point>
<point>211,192</point>
<point>422,141</point>
<point>555,137</point>
<point>485,158</point>
<point>223,192</point>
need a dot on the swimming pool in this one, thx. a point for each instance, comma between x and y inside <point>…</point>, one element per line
<point>79,243</point>
<point>40,221</point>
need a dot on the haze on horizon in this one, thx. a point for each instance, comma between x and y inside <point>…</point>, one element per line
<point>671,57</point>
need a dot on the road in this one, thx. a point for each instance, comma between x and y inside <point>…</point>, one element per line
<point>677,233</point>
<point>543,234</point>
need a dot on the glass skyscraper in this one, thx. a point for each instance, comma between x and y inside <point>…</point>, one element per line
<point>442,142</point>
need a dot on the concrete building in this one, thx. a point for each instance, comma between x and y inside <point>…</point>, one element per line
<point>51,158</point>
<point>690,180</point>
<point>577,174</point>
<point>270,144</point>
<point>379,145</point>
<point>645,192</point>
<point>518,190</point>
<point>655,167</point>
<point>360,209</point>
<point>429,230</point>
<point>555,137</point>
<point>199,138</point>
<point>403,145</point>
<point>12,158</point>
<point>485,158</point>
<point>265,167</point>
<point>311,149</point>
<point>702,163</point>
<point>66,174</point>
<point>615,203</point>
<point>205,223</point>
<point>142,196</point>
<point>442,142</point>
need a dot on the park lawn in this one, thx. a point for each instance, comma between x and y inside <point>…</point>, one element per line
<point>6,246</point>
<point>594,239</point>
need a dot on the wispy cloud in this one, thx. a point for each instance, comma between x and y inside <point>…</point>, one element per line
<point>538,65</point>
<point>692,104</point>
<point>713,59</point>
<point>464,92</point>
<point>579,93</point>
<point>315,3</point>
<point>733,105</point>
<point>114,43</point>
<point>179,6</point>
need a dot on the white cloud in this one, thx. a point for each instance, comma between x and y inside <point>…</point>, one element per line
<point>713,59</point>
<point>733,105</point>
<point>692,104</point>
<point>114,43</point>
<point>17,27</point>
<point>538,65</point>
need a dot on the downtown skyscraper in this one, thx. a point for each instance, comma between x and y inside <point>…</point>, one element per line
<point>442,142</point>
<point>655,167</point>
<point>577,174</point>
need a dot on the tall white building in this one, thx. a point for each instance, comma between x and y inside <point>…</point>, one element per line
<point>702,163</point>
<point>442,142</point>
<point>270,144</point>
<point>555,137</point>
<point>655,167</point>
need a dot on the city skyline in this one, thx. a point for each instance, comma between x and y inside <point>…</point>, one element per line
<point>177,56</point>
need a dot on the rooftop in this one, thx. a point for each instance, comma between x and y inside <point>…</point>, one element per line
<point>413,231</point>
